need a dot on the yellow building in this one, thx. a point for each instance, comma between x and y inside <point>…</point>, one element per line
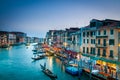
<point>101,39</point>
<point>107,45</point>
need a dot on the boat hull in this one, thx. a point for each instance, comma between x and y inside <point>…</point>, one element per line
<point>73,71</point>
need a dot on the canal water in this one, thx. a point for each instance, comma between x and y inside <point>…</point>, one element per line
<point>16,64</point>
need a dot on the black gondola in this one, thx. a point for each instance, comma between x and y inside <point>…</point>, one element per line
<point>48,72</point>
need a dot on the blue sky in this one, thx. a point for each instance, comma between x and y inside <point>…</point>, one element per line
<point>36,17</point>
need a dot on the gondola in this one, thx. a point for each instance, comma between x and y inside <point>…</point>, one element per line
<point>48,72</point>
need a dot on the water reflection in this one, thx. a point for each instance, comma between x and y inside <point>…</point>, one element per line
<point>50,62</point>
<point>16,62</point>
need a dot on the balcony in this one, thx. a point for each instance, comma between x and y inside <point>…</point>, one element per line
<point>101,36</point>
<point>101,45</point>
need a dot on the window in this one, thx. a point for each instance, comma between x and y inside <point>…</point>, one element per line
<point>91,41</point>
<point>111,42</point>
<point>83,49</point>
<point>87,40</point>
<point>99,32</point>
<point>92,24</point>
<point>83,34</point>
<point>104,42</point>
<point>94,41</point>
<point>87,50</point>
<point>98,52</point>
<point>87,34</point>
<point>111,53</point>
<point>98,41</point>
<point>83,40</point>
<point>91,34</point>
<point>94,51</point>
<point>104,53</point>
<point>91,50</point>
<point>111,31</point>
<point>94,33</point>
<point>104,32</point>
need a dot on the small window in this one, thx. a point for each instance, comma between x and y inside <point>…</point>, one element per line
<point>98,41</point>
<point>104,53</point>
<point>91,50</point>
<point>87,50</point>
<point>91,41</point>
<point>94,51</point>
<point>104,32</point>
<point>83,40</point>
<point>99,32</point>
<point>87,34</point>
<point>91,34</point>
<point>111,53</point>
<point>94,41</point>
<point>83,49</point>
<point>111,42</point>
<point>111,31</point>
<point>83,34</point>
<point>94,33</point>
<point>87,40</point>
<point>98,52</point>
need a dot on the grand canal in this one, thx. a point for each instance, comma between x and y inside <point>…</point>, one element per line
<point>16,64</point>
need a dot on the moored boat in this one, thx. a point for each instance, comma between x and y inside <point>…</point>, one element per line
<point>72,70</point>
<point>38,57</point>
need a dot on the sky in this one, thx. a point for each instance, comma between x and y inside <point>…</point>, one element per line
<point>36,17</point>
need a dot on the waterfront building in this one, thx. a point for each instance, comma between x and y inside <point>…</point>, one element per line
<point>54,37</point>
<point>28,39</point>
<point>36,40</point>
<point>42,40</point>
<point>49,37</point>
<point>107,46</point>
<point>88,46</point>
<point>76,41</point>
<point>101,43</point>
<point>11,38</point>
<point>68,38</point>
<point>3,38</point>
<point>20,37</point>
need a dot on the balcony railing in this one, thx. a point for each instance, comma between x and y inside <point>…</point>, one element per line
<point>102,45</point>
<point>101,36</point>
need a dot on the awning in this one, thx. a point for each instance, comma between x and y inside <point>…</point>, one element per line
<point>110,61</point>
<point>101,58</point>
<point>71,53</point>
<point>45,47</point>
<point>92,57</point>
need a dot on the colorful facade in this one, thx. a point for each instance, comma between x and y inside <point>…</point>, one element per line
<point>99,42</point>
<point>3,38</point>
